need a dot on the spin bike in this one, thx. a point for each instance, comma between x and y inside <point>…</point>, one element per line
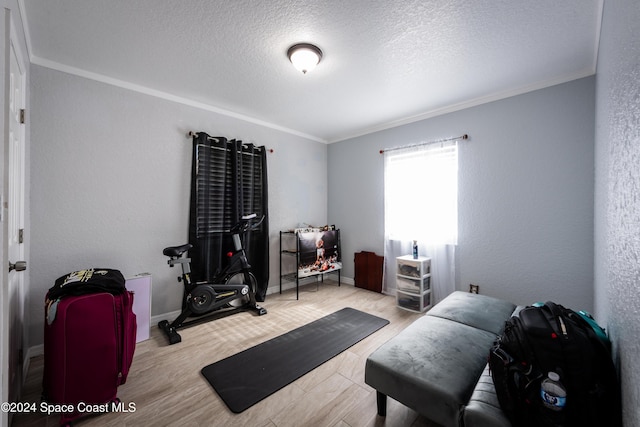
<point>232,290</point>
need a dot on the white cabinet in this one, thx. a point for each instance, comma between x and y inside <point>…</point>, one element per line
<point>413,283</point>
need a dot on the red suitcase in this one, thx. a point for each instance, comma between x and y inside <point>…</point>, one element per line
<point>89,341</point>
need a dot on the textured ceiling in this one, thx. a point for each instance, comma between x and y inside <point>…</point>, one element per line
<point>385,62</point>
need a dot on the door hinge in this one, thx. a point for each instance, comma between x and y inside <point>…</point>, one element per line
<point>21,235</point>
<point>22,115</point>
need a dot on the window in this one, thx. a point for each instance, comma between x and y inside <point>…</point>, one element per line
<point>421,203</point>
<point>421,194</point>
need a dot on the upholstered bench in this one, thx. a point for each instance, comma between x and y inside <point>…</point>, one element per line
<point>438,364</point>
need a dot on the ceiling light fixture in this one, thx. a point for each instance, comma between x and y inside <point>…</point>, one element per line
<point>304,56</point>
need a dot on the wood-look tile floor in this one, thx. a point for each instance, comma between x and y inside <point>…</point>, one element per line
<point>167,388</point>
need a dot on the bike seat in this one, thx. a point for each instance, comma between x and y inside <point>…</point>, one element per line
<point>177,250</point>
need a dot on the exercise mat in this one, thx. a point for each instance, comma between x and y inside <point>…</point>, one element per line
<point>246,378</point>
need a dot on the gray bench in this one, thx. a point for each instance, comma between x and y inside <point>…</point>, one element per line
<point>438,365</point>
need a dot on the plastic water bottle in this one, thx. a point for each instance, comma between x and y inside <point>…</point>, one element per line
<point>415,249</point>
<point>553,393</point>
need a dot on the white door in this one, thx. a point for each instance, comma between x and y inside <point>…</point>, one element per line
<point>15,163</point>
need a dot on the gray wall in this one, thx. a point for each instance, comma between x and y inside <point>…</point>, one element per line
<point>617,218</point>
<point>525,177</point>
<point>525,193</point>
<point>110,178</point>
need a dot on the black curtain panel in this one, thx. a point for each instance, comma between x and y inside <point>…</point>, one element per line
<point>228,181</point>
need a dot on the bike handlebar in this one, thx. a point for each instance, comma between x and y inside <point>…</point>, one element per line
<point>245,223</point>
<point>240,227</point>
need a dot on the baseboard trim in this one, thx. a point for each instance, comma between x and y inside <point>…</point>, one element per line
<point>38,350</point>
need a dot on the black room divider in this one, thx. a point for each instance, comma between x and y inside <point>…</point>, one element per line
<point>228,180</point>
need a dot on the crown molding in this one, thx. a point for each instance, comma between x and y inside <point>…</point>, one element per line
<point>166,96</point>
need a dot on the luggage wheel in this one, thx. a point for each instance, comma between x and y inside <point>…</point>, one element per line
<point>115,402</point>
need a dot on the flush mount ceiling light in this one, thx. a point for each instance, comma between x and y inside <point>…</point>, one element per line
<point>304,56</point>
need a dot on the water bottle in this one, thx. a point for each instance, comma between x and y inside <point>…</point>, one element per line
<point>415,249</point>
<point>553,393</point>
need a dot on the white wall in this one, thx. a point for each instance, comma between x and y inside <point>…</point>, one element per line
<point>110,176</point>
<point>617,220</point>
<point>525,193</point>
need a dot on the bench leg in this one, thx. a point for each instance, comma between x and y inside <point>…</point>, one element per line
<point>382,404</point>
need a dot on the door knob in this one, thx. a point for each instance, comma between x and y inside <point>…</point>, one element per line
<point>18,266</point>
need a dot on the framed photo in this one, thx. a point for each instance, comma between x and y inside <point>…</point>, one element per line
<point>318,252</point>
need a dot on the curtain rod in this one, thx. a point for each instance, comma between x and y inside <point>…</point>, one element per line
<point>192,134</point>
<point>465,136</point>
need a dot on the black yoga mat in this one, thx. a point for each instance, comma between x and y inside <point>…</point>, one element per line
<point>246,378</point>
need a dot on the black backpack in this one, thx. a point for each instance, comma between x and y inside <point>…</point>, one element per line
<point>550,338</point>
<point>92,280</point>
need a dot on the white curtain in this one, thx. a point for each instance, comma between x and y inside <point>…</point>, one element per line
<point>421,203</point>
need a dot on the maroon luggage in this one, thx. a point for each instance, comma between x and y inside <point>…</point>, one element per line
<point>89,341</point>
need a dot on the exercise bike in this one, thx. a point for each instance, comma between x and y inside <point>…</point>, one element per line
<point>232,290</point>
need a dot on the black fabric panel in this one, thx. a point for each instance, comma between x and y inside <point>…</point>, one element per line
<point>228,180</point>
<point>260,237</point>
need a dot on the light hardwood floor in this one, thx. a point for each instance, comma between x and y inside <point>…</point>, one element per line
<point>168,390</point>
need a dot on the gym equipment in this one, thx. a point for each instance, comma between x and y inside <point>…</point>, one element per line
<point>232,290</point>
